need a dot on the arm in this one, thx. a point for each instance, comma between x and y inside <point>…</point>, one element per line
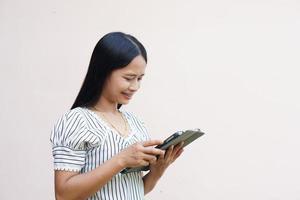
<point>150,181</point>
<point>158,168</point>
<point>72,185</point>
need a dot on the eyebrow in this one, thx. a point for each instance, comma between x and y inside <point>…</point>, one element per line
<point>131,74</point>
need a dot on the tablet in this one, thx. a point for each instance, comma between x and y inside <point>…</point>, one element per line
<point>186,136</point>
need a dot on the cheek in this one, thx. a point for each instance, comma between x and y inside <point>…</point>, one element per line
<point>122,85</point>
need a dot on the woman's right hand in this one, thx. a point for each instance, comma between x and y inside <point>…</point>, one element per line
<point>141,154</point>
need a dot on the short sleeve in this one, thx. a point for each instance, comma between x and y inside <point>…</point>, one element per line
<point>68,141</point>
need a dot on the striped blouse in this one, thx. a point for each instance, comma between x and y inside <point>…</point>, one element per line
<point>81,141</point>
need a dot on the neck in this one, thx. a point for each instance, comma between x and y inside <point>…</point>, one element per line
<point>106,106</point>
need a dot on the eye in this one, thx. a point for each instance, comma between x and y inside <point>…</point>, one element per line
<point>127,79</point>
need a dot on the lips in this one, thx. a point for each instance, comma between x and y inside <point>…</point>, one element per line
<point>127,95</point>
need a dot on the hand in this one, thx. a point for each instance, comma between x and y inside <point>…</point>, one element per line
<point>157,168</point>
<point>141,154</point>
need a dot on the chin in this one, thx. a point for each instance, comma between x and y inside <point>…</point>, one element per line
<point>123,102</point>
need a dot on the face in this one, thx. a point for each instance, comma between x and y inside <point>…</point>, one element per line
<point>124,82</point>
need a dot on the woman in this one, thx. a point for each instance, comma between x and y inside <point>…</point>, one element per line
<point>95,140</point>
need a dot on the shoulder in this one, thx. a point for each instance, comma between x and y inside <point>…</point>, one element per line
<point>71,130</point>
<point>68,126</point>
<point>72,117</point>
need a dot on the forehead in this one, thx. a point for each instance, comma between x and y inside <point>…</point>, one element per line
<point>136,67</point>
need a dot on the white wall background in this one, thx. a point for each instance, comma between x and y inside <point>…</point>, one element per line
<point>230,68</point>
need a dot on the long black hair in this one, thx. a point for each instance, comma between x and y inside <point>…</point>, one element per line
<point>113,51</point>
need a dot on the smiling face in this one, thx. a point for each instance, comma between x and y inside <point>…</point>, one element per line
<point>123,83</point>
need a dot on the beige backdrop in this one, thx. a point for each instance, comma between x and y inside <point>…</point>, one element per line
<point>228,67</point>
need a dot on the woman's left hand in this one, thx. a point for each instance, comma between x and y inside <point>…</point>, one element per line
<point>162,163</point>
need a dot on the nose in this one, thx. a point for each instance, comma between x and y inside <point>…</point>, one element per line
<point>134,86</point>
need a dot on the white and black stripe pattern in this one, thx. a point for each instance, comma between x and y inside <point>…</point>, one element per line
<point>82,141</point>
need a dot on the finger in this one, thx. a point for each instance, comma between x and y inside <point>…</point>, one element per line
<point>179,145</point>
<point>144,163</point>
<point>153,151</point>
<point>177,148</point>
<point>169,152</point>
<point>153,161</point>
<point>151,143</point>
<point>178,153</point>
<point>161,157</point>
<point>148,157</point>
